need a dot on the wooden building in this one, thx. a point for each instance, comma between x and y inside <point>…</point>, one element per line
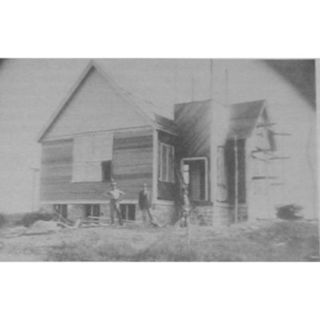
<point>99,133</point>
<point>225,151</point>
<point>225,174</point>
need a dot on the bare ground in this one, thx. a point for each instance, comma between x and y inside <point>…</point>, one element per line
<point>261,241</point>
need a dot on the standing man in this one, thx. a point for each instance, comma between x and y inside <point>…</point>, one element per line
<point>115,197</point>
<point>145,204</point>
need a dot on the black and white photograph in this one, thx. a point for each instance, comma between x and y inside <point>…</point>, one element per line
<point>158,160</point>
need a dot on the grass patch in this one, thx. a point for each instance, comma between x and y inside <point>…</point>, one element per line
<point>262,241</point>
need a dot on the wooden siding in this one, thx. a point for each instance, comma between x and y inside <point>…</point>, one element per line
<point>166,191</point>
<point>132,166</point>
<point>95,106</point>
<point>132,161</point>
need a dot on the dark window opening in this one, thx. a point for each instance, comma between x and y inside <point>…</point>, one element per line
<point>62,209</point>
<point>106,167</point>
<point>128,211</point>
<point>92,210</point>
<point>230,169</point>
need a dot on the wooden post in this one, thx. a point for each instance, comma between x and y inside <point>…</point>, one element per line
<point>212,166</point>
<point>317,195</point>
<point>34,188</point>
<point>236,180</point>
<point>155,167</point>
<point>192,86</point>
<point>267,181</point>
<point>226,87</point>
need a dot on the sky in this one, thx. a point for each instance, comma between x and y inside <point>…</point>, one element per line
<point>32,89</point>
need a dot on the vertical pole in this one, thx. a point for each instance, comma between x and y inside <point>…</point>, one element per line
<point>175,80</point>
<point>318,144</point>
<point>192,86</point>
<point>34,183</point>
<point>211,79</point>
<point>155,167</point>
<point>226,87</point>
<point>267,172</point>
<point>284,181</point>
<point>33,190</point>
<point>212,166</point>
<point>236,180</point>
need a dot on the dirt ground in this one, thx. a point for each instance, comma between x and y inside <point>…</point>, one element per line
<point>260,241</point>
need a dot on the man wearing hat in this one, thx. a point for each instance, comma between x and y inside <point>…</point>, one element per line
<point>115,197</point>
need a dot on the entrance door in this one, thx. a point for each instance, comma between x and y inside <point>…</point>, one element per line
<point>195,176</point>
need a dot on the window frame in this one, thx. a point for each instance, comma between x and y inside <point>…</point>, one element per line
<point>93,210</point>
<point>81,166</point>
<point>103,176</point>
<point>61,209</point>
<point>125,211</point>
<point>170,174</point>
<point>206,180</point>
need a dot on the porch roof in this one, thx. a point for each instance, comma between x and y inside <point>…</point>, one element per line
<point>243,118</point>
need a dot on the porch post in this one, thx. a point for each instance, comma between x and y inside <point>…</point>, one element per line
<point>155,167</point>
<point>236,179</point>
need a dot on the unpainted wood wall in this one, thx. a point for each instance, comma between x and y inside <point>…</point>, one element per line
<point>132,166</point>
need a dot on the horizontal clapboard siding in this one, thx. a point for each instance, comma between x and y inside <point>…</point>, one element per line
<point>132,160</point>
<point>132,166</point>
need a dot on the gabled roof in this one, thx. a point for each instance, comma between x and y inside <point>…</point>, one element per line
<point>165,124</point>
<point>243,118</point>
<point>194,104</point>
<point>144,108</point>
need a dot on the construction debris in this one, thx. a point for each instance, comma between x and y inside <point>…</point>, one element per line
<point>42,227</point>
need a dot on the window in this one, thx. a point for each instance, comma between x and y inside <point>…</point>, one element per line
<point>166,165</point>
<point>128,211</point>
<point>62,209</point>
<point>90,151</point>
<point>106,170</point>
<point>92,210</point>
<point>194,172</point>
<point>231,170</point>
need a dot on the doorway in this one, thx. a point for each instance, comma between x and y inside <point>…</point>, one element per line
<point>195,176</point>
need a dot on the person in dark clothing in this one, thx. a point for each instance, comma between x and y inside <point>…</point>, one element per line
<point>145,204</point>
